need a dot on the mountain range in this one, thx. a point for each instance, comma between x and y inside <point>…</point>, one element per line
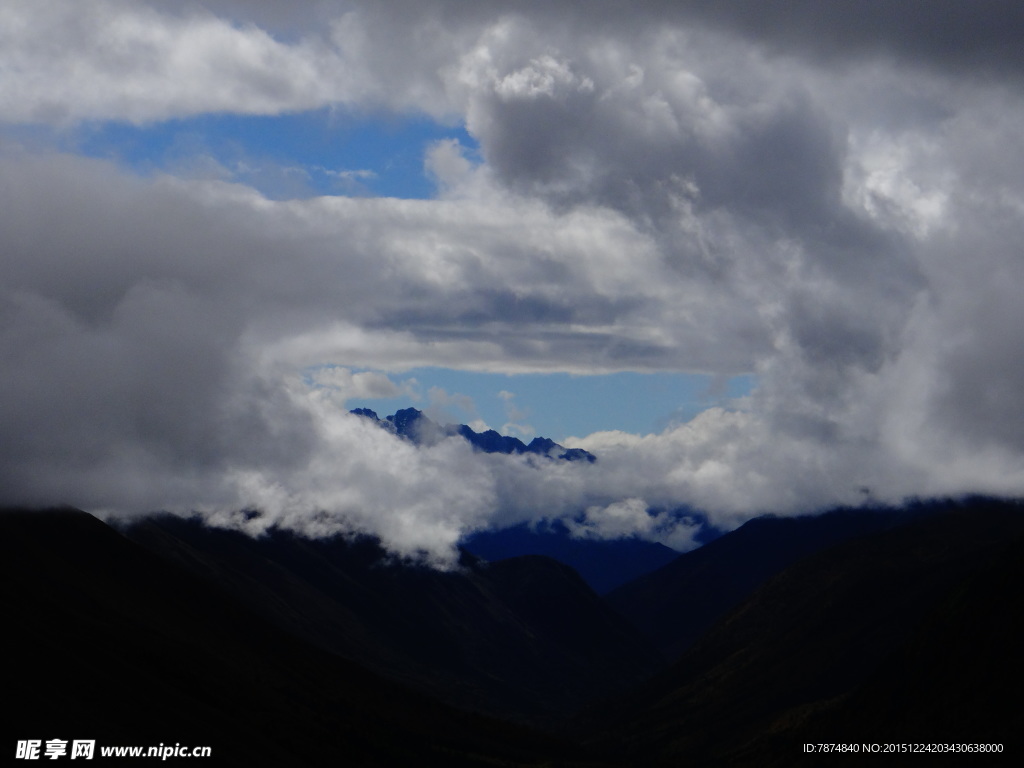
<point>853,626</point>
<point>415,426</point>
<point>523,637</point>
<point>898,635</point>
<point>603,564</point>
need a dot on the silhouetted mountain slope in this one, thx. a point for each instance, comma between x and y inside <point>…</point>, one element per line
<point>836,645</point>
<point>603,564</point>
<point>523,637</point>
<point>957,680</point>
<point>106,641</point>
<point>413,425</point>
<point>677,603</point>
<point>908,634</point>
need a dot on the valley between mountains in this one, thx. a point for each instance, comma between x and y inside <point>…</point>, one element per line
<point>852,626</point>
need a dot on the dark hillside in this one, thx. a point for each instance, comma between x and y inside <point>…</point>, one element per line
<point>106,641</point>
<point>877,637</point>
<point>677,603</point>
<point>475,637</point>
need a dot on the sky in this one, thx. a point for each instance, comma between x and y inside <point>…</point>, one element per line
<point>755,257</point>
<point>557,405</point>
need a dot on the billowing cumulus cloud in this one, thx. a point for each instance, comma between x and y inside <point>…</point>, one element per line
<point>830,201</point>
<point>107,59</point>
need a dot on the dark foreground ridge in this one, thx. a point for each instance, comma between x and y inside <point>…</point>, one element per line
<point>676,604</point>
<point>111,642</point>
<point>523,638</point>
<point>910,634</point>
<point>285,651</point>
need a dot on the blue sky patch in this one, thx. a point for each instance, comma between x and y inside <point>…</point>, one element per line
<point>321,152</point>
<point>560,405</point>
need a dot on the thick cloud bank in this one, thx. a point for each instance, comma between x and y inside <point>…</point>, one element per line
<point>668,188</point>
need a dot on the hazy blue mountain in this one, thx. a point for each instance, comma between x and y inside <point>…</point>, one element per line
<point>603,564</point>
<point>413,425</point>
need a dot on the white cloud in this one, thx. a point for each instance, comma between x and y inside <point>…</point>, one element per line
<point>516,417</point>
<point>453,173</point>
<point>449,407</point>
<point>544,76</point>
<point>108,59</point>
<point>631,517</point>
<point>650,195</point>
<point>619,519</point>
<point>361,384</point>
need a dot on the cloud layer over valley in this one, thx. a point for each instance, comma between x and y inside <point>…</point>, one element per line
<point>831,206</point>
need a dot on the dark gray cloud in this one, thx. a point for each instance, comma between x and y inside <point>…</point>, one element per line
<point>952,35</point>
<point>710,187</point>
<point>956,37</point>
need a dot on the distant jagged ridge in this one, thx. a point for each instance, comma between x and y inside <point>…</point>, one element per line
<point>412,425</point>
